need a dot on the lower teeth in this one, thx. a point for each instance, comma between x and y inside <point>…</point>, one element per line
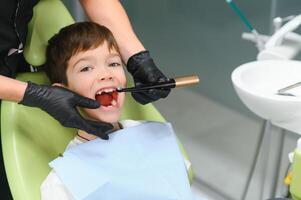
<point>113,103</point>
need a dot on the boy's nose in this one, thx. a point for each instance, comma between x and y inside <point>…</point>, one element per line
<point>105,74</point>
<point>102,78</point>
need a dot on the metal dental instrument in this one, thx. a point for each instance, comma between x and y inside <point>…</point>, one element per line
<point>283,90</point>
<point>184,81</point>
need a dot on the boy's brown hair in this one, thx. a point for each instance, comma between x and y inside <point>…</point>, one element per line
<point>71,40</point>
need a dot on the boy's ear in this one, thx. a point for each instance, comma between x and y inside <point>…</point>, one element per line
<point>59,85</point>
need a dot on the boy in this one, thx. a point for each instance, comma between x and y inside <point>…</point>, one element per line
<point>84,58</point>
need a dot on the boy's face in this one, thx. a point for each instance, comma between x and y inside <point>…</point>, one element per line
<point>96,74</point>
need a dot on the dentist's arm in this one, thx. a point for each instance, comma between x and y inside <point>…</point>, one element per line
<point>140,64</point>
<point>60,103</point>
<point>111,14</point>
<point>11,89</point>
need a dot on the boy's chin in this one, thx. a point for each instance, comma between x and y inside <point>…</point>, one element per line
<point>107,119</point>
<point>110,121</point>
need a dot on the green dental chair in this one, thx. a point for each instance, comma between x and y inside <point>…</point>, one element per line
<point>30,137</point>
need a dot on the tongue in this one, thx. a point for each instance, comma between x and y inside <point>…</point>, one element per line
<point>104,99</point>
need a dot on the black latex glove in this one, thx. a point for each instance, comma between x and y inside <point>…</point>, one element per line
<point>144,71</point>
<point>61,104</point>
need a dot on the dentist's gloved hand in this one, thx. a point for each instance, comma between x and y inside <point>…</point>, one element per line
<point>144,71</point>
<point>61,104</point>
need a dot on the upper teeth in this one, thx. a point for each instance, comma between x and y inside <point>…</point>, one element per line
<point>105,90</point>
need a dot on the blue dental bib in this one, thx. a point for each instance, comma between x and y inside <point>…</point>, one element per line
<point>142,162</point>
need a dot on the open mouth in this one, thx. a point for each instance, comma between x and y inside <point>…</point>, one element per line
<point>107,97</point>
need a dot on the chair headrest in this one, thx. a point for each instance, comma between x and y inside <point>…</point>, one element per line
<point>49,16</point>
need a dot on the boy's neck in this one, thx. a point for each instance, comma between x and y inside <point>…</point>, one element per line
<point>84,136</point>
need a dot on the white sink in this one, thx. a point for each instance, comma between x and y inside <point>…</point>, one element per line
<point>257,83</point>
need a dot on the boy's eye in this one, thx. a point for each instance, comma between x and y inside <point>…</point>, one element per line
<point>85,69</point>
<point>114,64</point>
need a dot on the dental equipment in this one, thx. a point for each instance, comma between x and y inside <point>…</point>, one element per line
<point>283,90</point>
<point>184,81</point>
<point>284,43</point>
<point>259,42</point>
<point>278,21</point>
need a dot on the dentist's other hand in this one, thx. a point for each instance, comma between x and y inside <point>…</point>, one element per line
<point>144,71</point>
<point>61,104</point>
